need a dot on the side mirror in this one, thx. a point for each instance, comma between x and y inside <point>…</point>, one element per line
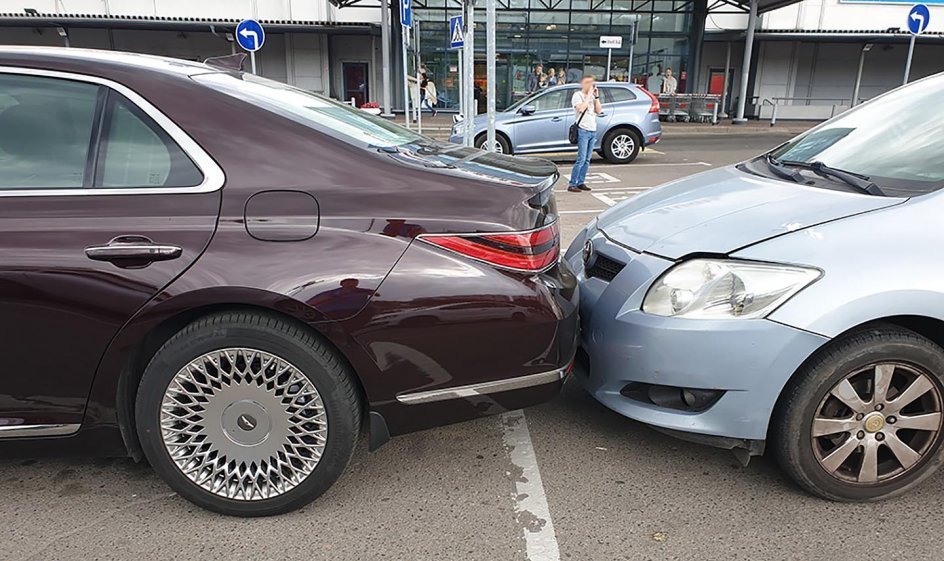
<point>527,110</point>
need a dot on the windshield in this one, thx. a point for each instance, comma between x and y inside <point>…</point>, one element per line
<point>895,140</point>
<point>315,111</point>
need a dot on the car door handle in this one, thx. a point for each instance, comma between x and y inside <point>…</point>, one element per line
<point>557,119</point>
<point>133,248</point>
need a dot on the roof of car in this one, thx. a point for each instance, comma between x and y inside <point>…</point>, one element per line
<point>93,57</point>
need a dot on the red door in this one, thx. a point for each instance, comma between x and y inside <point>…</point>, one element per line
<point>355,82</point>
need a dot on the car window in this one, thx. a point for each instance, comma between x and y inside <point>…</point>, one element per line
<point>554,100</point>
<point>895,140</point>
<point>45,131</point>
<point>317,112</point>
<point>617,95</point>
<point>136,152</point>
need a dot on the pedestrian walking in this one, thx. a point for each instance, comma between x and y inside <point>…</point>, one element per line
<point>586,103</point>
<point>532,80</point>
<point>669,83</point>
<point>428,98</point>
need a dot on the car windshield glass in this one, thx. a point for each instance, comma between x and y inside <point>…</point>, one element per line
<point>315,111</point>
<point>894,140</point>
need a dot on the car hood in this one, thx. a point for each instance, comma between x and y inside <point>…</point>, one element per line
<point>723,210</point>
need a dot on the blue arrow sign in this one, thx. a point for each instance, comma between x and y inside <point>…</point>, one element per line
<point>918,19</point>
<point>406,13</point>
<point>456,39</point>
<point>250,35</point>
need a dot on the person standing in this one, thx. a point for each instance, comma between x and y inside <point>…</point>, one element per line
<point>586,103</point>
<point>428,97</point>
<point>531,82</point>
<point>561,77</point>
<point>551,78</point>
<point>669,83</point>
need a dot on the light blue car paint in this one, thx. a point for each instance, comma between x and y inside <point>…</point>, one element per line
<point>878,255</point>
<point>545,130</point>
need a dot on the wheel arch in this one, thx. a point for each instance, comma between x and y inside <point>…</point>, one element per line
<point>928,327</point>
<point>498,132</point>
<point>155,333</point>
<point>628,126</point>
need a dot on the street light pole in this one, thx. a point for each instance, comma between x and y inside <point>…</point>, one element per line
<point>746,64</point>
<point>490,70</point>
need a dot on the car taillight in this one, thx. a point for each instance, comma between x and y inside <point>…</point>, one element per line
<point>654,107</point>
<point>532,251</point>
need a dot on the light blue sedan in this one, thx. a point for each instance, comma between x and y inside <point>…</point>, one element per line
<point>539,123</point>
<point>793,303</point>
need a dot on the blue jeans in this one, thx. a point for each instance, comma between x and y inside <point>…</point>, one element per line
<point>585,140</point>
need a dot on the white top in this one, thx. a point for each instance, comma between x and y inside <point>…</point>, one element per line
<point>589,121</point>
<point>669,85</point>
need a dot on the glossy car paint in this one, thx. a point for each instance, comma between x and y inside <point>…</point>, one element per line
<point>259,243</point>
<point>871,273</point>
<point>546,131</point>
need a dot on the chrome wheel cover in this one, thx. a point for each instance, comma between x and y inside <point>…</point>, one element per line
<point>243,424</point>
<point>622,146</point>
<point>877,423</point>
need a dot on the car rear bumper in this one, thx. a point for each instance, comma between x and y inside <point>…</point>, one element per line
<point>449,339</point>
<point>638,364</point>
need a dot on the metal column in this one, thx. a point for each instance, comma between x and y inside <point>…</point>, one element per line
<point>746,64</point>
<point>908,62</point>
<point>855,91</point>
<point>469,52</point>
<point>490,56</point>
<point>405,32</point>
<point>385,39</point>
<point>725,85</point>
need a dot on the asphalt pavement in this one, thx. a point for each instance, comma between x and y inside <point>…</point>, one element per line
<point>565,480</point>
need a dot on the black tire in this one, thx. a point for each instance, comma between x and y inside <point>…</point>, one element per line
<point>612,150</point>
<point>481,142</point>
<point>791,426</point>
<point>280,338</point>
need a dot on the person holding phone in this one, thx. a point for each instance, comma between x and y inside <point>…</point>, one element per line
<point>586,103</point>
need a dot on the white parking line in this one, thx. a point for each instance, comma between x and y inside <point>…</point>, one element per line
<point>604,199</point>
<point>594,211</point>
<point>531,511</point>
<point>635,165</point>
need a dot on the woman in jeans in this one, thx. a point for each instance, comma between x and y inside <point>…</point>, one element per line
<point>586,103</point>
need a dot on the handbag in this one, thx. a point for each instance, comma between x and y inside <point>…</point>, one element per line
<point>574,131</point>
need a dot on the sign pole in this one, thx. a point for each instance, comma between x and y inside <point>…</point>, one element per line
<point>490,70</point>
<point>469,52</point>
<point>632,44</point>
<point>911,45</point>
<point>252,58</point>
<point>406,78</point>
<point>416,57</point>
<point>461,54</point>
<point>385,37</point>
<point>609,62</point>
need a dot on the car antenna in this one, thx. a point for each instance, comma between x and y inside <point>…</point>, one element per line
<point>226,62</point>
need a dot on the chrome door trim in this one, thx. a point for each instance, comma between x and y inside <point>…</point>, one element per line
<point>483,388</point>
<point>213,176</point>
<point>15,431</point>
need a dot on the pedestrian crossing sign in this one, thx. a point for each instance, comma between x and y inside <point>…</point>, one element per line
<point>456,38</point>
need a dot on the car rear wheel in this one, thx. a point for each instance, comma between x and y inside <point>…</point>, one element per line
<point>247,414</point>
<point>621,146</point>
<point>863,421</point>
<point>501,143</point>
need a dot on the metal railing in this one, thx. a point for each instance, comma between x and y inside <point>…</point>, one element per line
<point>689,108</point>
<point>834,104</point>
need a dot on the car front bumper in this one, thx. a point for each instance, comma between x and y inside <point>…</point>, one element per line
<point>747,361</point>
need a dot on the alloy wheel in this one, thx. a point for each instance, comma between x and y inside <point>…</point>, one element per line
<point>498,146</point>
<point>622,146</point>
<point>877,423</point>
<point>243,424</point>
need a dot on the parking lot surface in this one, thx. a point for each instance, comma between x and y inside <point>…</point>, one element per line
<point>566,480</point>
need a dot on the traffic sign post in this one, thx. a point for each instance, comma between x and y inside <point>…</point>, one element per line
<point>250,36</point>
<point>406,22</point>
<point>609,43</point>
<point>457,41</point>
<point>918,19</point>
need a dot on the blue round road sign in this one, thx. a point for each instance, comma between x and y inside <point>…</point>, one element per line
<point>249,35</point>
<point>918,19</point>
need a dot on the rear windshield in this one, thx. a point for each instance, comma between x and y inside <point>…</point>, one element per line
<point>897,140</point>
<point>318,112</point>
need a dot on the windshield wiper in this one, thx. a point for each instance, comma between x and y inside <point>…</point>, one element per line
<point>780,171</point>
<point>861,183</point>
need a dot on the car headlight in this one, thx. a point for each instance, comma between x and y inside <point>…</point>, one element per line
<point>725,289</point>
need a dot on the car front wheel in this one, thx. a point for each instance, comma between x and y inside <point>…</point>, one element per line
<point>621,146</point>
<point>862,422</point>
<point>247,414</point>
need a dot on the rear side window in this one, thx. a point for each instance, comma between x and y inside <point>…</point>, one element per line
<point>46,128</point>
<point>136,152</point>
<point>617,95</point>
<point>552,101</point>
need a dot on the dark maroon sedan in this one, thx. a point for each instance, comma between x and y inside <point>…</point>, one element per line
<point>230,276</point>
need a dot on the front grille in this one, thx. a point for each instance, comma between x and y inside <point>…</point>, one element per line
<point>604,268</point>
